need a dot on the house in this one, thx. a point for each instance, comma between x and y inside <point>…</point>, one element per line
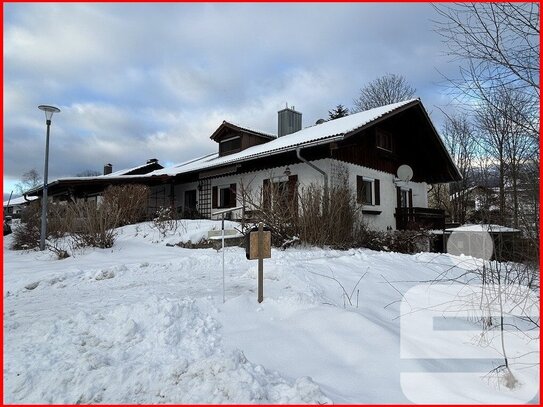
<point>14,206</point>
<point>477,203</point>
<point>73,188</point>
<point>368,147</point>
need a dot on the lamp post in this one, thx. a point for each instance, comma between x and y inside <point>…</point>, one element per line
<point>49,110</point>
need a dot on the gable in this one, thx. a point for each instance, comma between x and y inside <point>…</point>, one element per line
<point>406,137</point>
<point>233,139</point>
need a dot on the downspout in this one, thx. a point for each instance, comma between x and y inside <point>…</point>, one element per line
<point>324,175</point>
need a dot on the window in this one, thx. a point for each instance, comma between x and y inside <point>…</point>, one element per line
<point>368,191</point>
<point>224,196</point>
<point>280,194</point>
<point>230,145</point>
<point>383,140</point>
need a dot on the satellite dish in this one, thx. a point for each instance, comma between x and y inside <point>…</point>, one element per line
<point>405,172</point>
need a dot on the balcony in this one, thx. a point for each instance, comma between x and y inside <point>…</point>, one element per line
<point>419,218</point>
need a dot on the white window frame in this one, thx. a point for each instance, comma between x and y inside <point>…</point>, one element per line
<point>372,189</point>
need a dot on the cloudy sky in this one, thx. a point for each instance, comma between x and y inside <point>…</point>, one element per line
<point>139,81</point>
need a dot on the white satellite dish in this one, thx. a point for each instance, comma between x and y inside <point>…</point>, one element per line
<point>405,172</point>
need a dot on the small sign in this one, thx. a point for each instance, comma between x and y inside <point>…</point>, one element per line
<point>253,245</point>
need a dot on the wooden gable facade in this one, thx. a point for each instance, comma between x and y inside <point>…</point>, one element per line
<point>405,137</point>
<point>233,139</point>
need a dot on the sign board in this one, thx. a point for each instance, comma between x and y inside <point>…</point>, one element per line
<point>253,245</point>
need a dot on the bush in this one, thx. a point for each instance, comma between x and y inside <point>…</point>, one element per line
<point>165,221</point>
<point>27,234</point>
<point>93,223</point>
<point>326,218</point>
<point>330,220</point>
<point>312,215</point>
<point>400,241</point>
<point>127,203</point>
<point>88,223</point>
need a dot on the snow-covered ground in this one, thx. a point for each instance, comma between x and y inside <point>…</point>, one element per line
<point>144,322</point>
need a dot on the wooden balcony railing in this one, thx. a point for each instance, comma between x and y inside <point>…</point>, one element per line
<point>419,218</point>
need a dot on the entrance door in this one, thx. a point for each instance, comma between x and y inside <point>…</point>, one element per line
<point>190,203</point>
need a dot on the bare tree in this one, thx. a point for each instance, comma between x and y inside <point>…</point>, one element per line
<point>507,143</point>
<point>497,45</point>
<point>497,48</point>
<point>387,89</point>
<point>499,40</point>
<point>459,138</point>
<point>29,180</point>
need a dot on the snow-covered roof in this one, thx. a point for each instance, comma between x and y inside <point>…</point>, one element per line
<point>19,200</point>
<point>325,132</point>
<point>483,228</point>
<point>129,170</point>
<point>121,174</point>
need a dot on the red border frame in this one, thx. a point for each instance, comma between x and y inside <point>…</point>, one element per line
<point>228,1</point>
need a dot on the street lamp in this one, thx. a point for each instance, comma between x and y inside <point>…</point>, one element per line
<point>49,110</point>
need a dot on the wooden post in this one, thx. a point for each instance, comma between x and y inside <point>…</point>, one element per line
<point>260,263</point>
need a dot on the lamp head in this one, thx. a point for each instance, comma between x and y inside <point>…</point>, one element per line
<point>49,110</point>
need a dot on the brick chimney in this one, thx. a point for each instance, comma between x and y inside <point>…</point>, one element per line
<point>108,169</point>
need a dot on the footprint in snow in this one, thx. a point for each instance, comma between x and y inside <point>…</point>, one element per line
<point>33,285</point>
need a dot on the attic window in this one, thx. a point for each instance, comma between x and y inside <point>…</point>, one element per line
<point>230,145</point>
<point>383,140</point>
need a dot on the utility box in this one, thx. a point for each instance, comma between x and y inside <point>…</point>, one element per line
<point>251,244</point>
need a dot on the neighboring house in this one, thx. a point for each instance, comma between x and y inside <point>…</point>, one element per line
<point>368,147</point>
<point>14,206</point>
<point>73,188</point>
<point>478,203</point>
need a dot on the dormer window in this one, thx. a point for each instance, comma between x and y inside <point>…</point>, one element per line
<point>233,139</point>
<point>230,145</point>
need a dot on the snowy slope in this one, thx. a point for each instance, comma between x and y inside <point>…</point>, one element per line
<point>145,323</point>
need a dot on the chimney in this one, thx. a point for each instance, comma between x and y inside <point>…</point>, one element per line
<point>289,121</point>
<point>108,169</point>
<point>152,160</point>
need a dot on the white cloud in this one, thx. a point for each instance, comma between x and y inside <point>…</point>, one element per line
<point>136,81</point>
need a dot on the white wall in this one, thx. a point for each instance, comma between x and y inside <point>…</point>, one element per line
<point>388,195</point>
<point>308,175</point>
